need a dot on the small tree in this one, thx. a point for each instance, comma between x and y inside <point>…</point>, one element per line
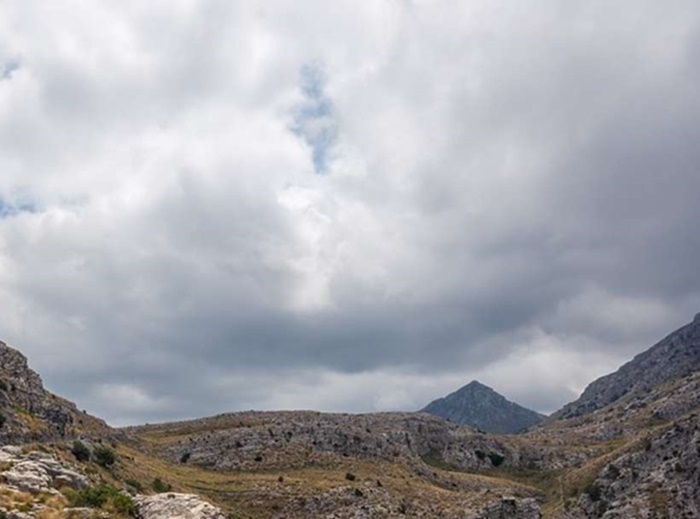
<point>80,451</point>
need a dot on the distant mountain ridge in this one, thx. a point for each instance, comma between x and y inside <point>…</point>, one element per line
<point>480,406</point>
<point>677,355</point>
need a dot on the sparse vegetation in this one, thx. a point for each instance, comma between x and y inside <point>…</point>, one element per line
<point>104,497</point>
<point>104,456</point>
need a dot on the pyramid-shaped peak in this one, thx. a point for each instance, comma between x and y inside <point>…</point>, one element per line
<point>480,406</point>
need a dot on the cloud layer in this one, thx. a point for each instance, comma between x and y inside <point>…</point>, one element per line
<point>210,206</point>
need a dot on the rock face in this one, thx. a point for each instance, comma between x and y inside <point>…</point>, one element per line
<point>30,413</point>
<point>675,356</point>
<point>480,406</point>
<point>176,506</point>
<point>658,477</point>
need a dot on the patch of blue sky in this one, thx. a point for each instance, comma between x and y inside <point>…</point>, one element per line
<point>8,68</point>
<point>10,209</point>
<point>313,119</point>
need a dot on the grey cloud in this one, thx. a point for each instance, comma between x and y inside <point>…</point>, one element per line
<point>511,194</point>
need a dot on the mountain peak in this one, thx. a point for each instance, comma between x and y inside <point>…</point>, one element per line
<point>475,384</point>
<point>480,406</point>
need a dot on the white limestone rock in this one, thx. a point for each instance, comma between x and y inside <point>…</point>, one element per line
<point>173,505</point>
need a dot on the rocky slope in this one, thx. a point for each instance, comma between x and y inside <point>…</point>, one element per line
<point>30,413</point>
<point>675,356</point>
<point>651,469</point>
<point>480,406</point>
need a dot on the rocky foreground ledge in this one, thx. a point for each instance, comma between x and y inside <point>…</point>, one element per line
<point>36,484</point>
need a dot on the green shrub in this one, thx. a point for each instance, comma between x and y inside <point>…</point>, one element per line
<point>123,504</point>
<point>161,486</point>
<point>102,496</point>
<point>104,456</point>
<point>3,385</point>
<point>80,451</point>
<point>594,491</point>
<point>496,459</point>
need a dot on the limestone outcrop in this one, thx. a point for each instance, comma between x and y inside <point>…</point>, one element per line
<point>173,505</point>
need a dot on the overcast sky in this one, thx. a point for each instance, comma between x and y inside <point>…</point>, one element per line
<point>210,206</point>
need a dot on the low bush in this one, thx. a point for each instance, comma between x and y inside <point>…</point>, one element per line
<point>80,451</point>
<point>104,456</point>
<point>496,459</point>
<point>161,486</point>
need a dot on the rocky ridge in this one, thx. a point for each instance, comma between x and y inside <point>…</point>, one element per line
<point>28,412</point>
<point>675,356</point>
<point>480,406</point>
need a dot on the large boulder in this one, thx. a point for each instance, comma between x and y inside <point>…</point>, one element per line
<point>172,505</point>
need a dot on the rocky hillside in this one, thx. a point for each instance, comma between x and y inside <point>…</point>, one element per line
<point>675,356</point>
<point>30,413</point>
<point>275,440</point>
<point>623,453</point>
<point>480,406</point>
<point>309,464</point>
<point>651,468</point>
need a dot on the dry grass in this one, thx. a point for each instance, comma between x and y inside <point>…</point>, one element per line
<point>250,495</point>
<point>18,501</point>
